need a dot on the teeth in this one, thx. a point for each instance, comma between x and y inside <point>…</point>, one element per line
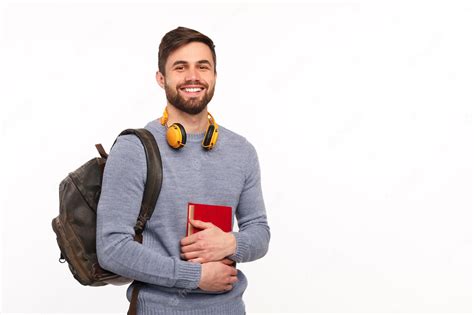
<point>192,89</point>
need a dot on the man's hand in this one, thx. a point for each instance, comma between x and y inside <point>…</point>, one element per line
<point>218,276</point>
<point>210,244</point>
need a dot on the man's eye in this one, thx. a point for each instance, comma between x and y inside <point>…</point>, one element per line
<point>179,68</point>
<point>204,67</point>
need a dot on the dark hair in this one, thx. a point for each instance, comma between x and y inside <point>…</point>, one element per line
<point>177,38</point>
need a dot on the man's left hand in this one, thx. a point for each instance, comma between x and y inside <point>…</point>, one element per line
<point>210,244</point>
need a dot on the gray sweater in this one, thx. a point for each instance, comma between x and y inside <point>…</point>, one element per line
<point>228,175</point>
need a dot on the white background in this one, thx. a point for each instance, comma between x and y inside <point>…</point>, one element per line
<point>361,113</point>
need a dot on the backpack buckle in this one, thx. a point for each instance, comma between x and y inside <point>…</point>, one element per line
<point>62,260</point>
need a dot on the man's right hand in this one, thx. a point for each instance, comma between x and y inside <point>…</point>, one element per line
<point>218,275</point>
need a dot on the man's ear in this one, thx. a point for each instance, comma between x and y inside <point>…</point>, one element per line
<point>160,78</point>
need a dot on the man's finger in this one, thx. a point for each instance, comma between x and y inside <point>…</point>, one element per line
<point>190,255</point>
<point>233,279</point>
<point>188,240</point>
<point>200,224</point>
<point>227,261</point>
<point>190,248</point>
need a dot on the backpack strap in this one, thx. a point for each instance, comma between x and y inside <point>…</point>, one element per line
<point>101,151</point>
<point>133,309</point>
<point>154,179</point>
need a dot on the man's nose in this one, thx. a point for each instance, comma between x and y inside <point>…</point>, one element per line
<point>192,74</point>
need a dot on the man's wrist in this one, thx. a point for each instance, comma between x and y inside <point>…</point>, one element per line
<point>232,244</point>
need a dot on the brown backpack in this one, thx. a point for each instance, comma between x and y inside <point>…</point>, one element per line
<point>79,193</point>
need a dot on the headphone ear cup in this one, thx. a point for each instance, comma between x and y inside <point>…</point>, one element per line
<point>176,136</point>
<point>210,137</point>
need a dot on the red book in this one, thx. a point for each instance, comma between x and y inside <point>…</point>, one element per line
<point>220,216</point>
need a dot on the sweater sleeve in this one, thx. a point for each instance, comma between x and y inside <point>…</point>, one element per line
<point>254,233</point>
<point>119,205</point>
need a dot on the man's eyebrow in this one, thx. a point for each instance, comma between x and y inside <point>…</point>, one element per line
<point>204,61</point>
<point>179,62</point>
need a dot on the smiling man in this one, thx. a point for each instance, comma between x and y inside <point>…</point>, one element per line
<point>203,163</point>
<point>197,90</point>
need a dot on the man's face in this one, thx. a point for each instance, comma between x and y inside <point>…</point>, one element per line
<point>190,78</point>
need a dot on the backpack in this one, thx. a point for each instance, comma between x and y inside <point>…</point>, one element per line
<point>79,193</point>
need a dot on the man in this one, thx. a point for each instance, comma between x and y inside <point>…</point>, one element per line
<point>179,274</point>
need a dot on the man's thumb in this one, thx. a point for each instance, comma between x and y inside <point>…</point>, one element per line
<point>200,224</point>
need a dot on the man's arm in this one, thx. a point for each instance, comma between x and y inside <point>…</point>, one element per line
<point>253,237</point>
<point>119,205</point>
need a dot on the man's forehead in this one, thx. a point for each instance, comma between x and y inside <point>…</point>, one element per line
<point>194,52</point>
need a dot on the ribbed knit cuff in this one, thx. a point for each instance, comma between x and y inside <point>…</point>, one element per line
<point>233,306</point>
<point>188,274</point>
<point>243,247</point>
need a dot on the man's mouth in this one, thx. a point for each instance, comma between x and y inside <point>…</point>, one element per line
<point>192,90</point>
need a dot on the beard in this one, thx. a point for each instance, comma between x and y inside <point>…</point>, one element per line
<point>193,105</point>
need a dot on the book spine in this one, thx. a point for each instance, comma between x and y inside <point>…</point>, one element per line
<point>190,216</point>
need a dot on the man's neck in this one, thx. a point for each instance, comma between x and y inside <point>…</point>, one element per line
<point>191,123</point>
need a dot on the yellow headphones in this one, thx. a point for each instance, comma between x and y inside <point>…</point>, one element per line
<point>176,135</point>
